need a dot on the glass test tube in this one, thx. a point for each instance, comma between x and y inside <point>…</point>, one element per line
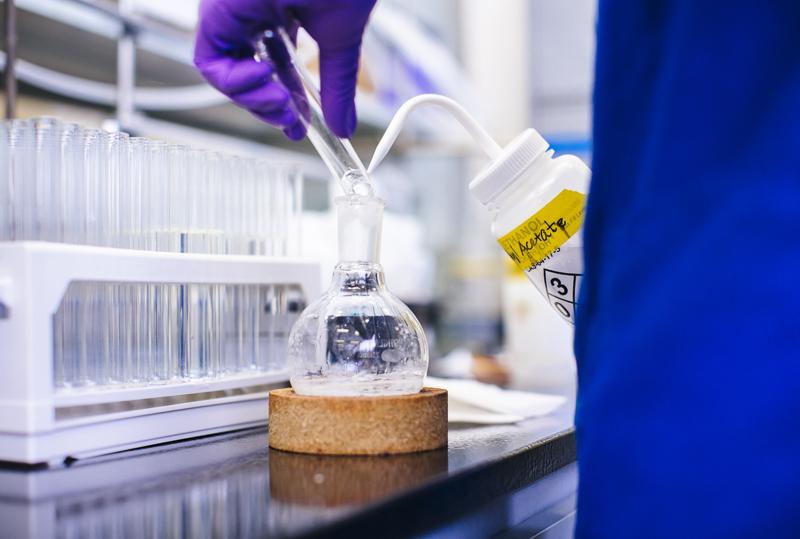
<point>92,162</point>
<point>239,205</point>
<point>131,195</point>
<point>89,231</point>
<point>118,342</point>
<point>140,340</point>
<point>251,299</point>
<point>235,224</point>
<point>200,350</point>
<point>72,197</point>
<point>22,180</point>
<point>253,206</point>
<point>338,154</point>
<point>46,180</point>
<point>279,215</point>
<point>179,300</point>
<point>216,193</point>
<point>155,215</point>
<point>230,182</point>
<point>67,325</point>
<point>5,183</point>
<point>211,234</point>
<point>163,361</point>
<point>114,173</point>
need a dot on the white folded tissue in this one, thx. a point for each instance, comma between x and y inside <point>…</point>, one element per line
<point>469,401</point>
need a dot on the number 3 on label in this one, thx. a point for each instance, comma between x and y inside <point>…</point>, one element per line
<point>562,290</point>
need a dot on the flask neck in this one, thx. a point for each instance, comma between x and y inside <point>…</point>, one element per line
<point>358,277</point>
<point>359,222</point>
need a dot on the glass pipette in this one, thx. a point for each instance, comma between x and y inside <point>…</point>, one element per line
<point>337,153</point>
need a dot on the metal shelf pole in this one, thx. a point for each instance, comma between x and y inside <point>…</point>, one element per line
<point>10,43</point>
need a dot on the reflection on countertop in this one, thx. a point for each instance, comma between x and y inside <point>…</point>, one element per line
<point>233,485</point>
<point>337,481</point>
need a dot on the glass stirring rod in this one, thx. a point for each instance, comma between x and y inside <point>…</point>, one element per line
<point>337,153</point>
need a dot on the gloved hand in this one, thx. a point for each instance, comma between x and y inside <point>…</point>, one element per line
<point>224,55</point>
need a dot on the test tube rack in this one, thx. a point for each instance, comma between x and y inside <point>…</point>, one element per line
<point>41,425</point>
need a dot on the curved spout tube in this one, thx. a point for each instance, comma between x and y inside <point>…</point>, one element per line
<point>481,136</point>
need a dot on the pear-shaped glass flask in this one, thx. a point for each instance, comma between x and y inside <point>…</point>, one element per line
<point>358,338</point>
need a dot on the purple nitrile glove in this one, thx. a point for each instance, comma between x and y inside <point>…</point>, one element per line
<point>224,55</point>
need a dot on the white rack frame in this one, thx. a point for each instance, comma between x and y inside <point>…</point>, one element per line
<point>34,277</point>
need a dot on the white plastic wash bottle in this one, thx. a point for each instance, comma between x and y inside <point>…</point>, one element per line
<point>536,201</point>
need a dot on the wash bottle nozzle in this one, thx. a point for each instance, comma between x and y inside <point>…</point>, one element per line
<point>481,136</point>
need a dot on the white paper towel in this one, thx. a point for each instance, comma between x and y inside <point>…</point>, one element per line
<point>470,401</point>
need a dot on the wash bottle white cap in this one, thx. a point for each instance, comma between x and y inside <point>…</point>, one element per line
<point>536,201</point>
<point>507,166</point>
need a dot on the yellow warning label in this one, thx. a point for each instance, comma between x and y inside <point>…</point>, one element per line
<point>538,237</point>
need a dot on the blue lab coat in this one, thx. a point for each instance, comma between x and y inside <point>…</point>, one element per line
<point>688,330</point>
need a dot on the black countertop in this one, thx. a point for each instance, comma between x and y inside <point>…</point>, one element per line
<point>233,485</point>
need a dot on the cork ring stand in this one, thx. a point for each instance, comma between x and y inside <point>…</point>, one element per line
<point>358,425</point>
